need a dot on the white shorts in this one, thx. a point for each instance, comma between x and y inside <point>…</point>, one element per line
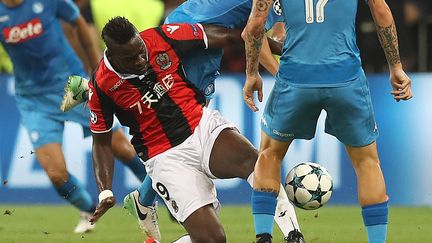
<point>181,175</point>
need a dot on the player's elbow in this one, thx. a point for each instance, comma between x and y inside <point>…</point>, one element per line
<point>380,9</point>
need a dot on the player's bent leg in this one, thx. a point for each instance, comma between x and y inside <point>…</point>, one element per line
<point>124,151</point>
<point>371,190</point>
<point>266,185</point>
<point>203,226</point>
<point>371,184</point>
<point>234,156</point>
<point>51,158</point>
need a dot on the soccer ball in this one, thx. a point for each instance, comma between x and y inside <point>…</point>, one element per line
<point>309,186</point>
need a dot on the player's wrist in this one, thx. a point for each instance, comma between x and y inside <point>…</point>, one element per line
<point>396,67</point>
<point>105,194</point>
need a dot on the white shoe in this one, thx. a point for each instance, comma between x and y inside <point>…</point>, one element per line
<point>183,239</point>
<point>146,216</point>
<point>84,225</point>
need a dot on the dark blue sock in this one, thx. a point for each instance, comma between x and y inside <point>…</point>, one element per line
<point>76,194</point>
<point>137,167</point>
<point>146,193</point>
<point>263,210</point>
<point>375,218</point>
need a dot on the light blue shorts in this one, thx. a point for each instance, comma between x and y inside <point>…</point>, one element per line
<point>292,112</point>
<point>44,121</point>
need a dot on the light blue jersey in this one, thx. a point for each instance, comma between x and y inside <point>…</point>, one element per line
<point>320,49</point>
<point>202,68</point>
<point>33,38</point>
<point>43,60</point>
<point>320,69</point>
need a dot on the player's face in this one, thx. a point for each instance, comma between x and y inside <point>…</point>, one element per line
<point>129,58</point>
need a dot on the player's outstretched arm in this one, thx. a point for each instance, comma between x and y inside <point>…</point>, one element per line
<point>388,38</point>
<point>220,37</point>
<point>253,36</point>
<point>103,166</point>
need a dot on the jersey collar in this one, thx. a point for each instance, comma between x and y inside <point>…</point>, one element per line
<point>121,75</point>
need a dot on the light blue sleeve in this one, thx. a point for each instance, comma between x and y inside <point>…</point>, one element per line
<point>274,16</point>
<point>67,10</point>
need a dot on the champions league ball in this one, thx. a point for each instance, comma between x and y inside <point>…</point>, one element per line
<point>309,186</point>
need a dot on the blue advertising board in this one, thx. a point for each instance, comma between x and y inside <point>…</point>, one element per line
<point>404,146</point>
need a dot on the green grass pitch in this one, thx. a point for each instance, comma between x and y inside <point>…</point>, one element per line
<point>34,224</point>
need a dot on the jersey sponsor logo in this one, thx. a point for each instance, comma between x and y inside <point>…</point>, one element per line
<point>37,7</point>
<point>277,8</point>
<point>172,28</point>
<point>117,85</point>
<point>163,61</point>
<point>153,95</point>
<point>23,32</point>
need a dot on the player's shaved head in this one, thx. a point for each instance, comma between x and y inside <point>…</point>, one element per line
<point>118,30</point>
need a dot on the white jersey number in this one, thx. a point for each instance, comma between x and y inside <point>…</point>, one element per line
<point>319,11</point>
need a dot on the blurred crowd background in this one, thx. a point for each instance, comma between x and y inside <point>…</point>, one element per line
<point>413,20</point>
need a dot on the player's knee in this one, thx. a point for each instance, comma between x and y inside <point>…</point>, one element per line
<point>366,163</point>
<point>57,177</point>
<point>271,155</point>
<point>248,164</point>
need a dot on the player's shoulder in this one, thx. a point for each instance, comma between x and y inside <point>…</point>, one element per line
<point>104,78</point>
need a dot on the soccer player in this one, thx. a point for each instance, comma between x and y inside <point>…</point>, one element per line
<point>183,143</point>
<point>321,69</point>
<point>42,60</point>
<point>202,69</point>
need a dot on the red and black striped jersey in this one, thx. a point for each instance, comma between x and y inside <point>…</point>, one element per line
<point>161,108</point>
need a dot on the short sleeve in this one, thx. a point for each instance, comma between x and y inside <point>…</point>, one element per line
<point>67,10</point>
<point>184,37</point>
<point>274,16</point>
<point>101,111</point>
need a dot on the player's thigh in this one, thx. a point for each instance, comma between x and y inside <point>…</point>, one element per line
<point>291,112</point>
<point>232,155</point>
<point>203,225</point>
<point>179,180</point>
<point>40,116</point>
<point>350,115</point>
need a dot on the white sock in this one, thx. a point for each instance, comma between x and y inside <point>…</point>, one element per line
<point>183,239</point>
<point>285,216</point>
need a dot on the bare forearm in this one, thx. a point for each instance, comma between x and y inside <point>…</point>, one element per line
<point>254,33</point>
<point>386,30</point>
<point>267,59</point>
<point>87,43</point>
<point>103,166</point>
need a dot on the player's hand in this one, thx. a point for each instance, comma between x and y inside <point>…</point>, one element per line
<point>253,83</point>
<point>102,208</point>
<point>401,85</point>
